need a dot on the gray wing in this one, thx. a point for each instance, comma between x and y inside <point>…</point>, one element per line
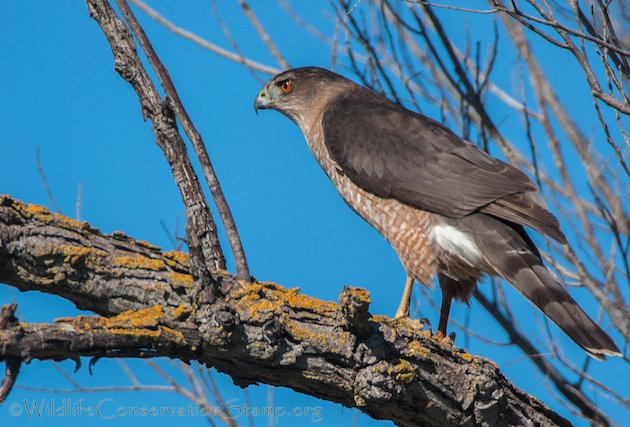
<point>395,153</point>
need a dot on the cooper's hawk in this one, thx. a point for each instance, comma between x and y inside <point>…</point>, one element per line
<point>444,205</point>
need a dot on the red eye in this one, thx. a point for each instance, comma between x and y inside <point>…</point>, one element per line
<point>286,86</point>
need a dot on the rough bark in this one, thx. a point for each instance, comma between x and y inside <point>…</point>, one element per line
<point>259,332</point>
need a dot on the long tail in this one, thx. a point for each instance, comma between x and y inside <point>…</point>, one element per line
<point>509,251</point>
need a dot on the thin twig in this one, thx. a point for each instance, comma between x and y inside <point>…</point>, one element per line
<point>228,35</point>
<point>79,204</point>
<point>42,175</point>
<point>204,43</point>
<point>264,36</point>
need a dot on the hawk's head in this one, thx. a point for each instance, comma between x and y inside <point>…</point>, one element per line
<point>297,92</point>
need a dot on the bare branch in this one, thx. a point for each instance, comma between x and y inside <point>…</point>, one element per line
<point>195,138</point>
<point>587,407</point>
<point>12,364</point>
<point>42,175</point>
<point>203,243</point>
<point>204,43</point>
<point>247,10</point>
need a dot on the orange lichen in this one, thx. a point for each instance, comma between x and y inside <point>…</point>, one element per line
<point>182,312</point>
<point>139,261</point>
<point>299,301</point>
<point>257,308</point>
<point>151,333</point>
<point>144,318</point>
<point>466,356</point>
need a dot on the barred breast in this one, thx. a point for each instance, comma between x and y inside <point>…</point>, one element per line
<point>407,229</point>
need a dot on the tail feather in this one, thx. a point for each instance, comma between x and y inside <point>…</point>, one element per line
<point>523,208</point>
<point>511,254</point>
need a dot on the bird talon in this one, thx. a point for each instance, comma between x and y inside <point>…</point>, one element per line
<point>427,323</point>
<point>444,339</point>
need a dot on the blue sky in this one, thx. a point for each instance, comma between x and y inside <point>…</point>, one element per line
<point>61,94</point>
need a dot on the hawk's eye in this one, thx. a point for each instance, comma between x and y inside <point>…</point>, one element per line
<point>286,86</point>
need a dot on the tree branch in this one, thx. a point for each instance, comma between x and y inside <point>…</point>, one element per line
<point>259,332</point>
<point>194,136</point>
<point>12,364</point>
<point>203,243</point>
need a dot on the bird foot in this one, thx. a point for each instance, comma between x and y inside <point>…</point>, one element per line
<point>445,339</point>
<point>402,313</point>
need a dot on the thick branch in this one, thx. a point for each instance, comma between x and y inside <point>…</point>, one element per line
<point>107,274</point>
<point>259,332</point>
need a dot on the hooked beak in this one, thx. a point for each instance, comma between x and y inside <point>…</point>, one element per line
<point>263,101</point>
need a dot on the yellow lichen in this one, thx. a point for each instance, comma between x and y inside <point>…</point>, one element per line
<point>177,257</point>
<point>180,279</point>
<point>403,371</point>
<point>141,322</point>
<point>139,261</point>
<point>253,301</point>
<point>260,307</point>
<point>322,340</point>
<point>257,288</point>
<point>74,254</point>
<point>174,334</point>
<point>152,333</point>
<point>257,300</point>
<point>266,296</point>
<point>48,216</point>
<point>359,401</point>
<point>356,294</point>
<point>415,349</point>
<point>147,244</point>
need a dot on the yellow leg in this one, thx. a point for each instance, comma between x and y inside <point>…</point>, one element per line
<point>405,302</point>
